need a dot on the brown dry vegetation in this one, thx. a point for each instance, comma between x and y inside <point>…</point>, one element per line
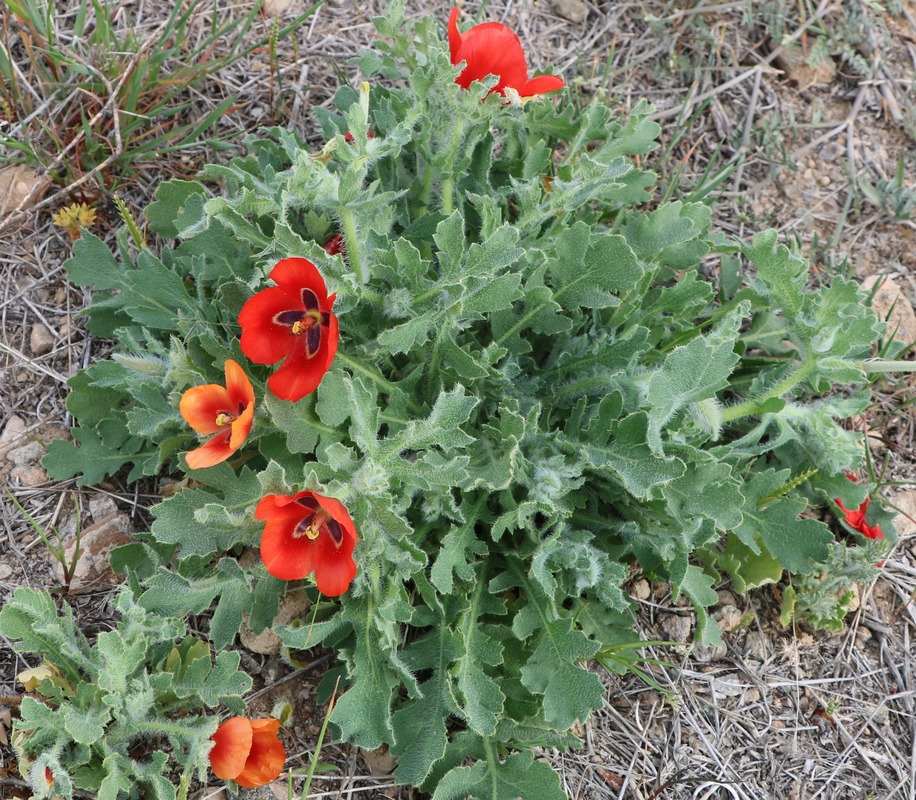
<point>776,713</point>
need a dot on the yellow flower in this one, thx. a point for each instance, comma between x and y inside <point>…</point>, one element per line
<point>73,217</point>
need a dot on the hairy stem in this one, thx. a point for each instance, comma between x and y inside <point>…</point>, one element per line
<point>348,227</point>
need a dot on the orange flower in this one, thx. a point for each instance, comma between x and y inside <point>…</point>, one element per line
<point>247,751</point>
<point>306,533</point>
<point>226,411</point>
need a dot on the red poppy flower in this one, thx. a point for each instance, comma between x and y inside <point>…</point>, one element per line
<point>493,49</point>
<point>856,519</point>
<point>247,751</point>
<point>308,533</point>
<point>226,411</point>
<point>292,321</point>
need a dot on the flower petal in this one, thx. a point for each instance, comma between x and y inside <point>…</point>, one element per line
<point>214,451</point>
<point>239,388</point>
<point>294,274</point>
<point>541,84</point>
<point>267,756</point>
<point>281,505</point>
<point>338,511</point>
<point>454,36</point>
<point>201,405</point>
<point>241,427</point>
<point>285,556</point>
<point>332,337</point>
<point>334,566</point>
<point>233,741</point>
<point>299,375</point>
<point>492,49</point>
<point>264,340</point>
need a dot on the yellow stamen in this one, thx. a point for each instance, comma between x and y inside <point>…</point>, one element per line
<point>298,327</point>
<point>223,419</point>
<point>315,526</point>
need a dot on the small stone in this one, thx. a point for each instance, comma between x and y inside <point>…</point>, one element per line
<point>706,654</point>
<point>67,328</point>
<point>891,304</point>
<point>751,696</point>
<point>274,8</point>
<point>293,606</point>
<point>13,432</point>
<point>101,507</point>
<point>380,762</point>
<point>641,589</point>
<point>825,180</point>
<point>676,627</point>
<point>16,182</point>
<point>856,599</point>
<point>573,10</point>
<point>726,598</point>
<point>28,475</point>
<point>880,715</point>
<point>728,686</point>
<point>756,646</point>
<point>831,151</point>
<point>30,453</point>
<point>906,502</point>
<point>41,340</point>
<point>6,571</point>
<point>727,617</point>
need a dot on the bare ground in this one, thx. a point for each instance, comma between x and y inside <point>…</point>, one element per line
<point>780,712</point>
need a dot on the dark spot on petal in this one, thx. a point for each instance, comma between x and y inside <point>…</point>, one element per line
<point>309,300</point>
<point>312,340</point>
<point>288,318</point>
<point>308,502</point>
<point>334,531</point>
<point>325,318</point>
<point>303,524</point>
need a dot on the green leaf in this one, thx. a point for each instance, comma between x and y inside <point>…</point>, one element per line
<point>796,543</point>
<point>298,421</point>
<point>84,725</point>
<point>697,585</point>
<point>748,570</point>
<point>570,692</point>
<point>405,337</point>
<point>487,296</point>
<point>91,458</point>
<point>519,776</point>
<point>363,712</point>
<point>631,460</point>
<point>442,428</point>
<point>692,373</point>
<point>781,274</point>
<point>168,205</point>
<point>419,725</point>
<point>669,235</point>
<point>482,698</point>
<point>589,269</point>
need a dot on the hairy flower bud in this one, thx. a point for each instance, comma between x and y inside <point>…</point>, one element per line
<point>398,304</point>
